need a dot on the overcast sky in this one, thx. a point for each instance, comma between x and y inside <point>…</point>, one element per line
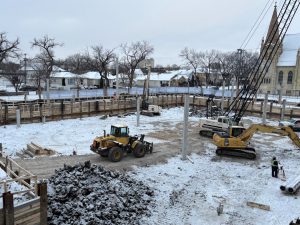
<point>169,25</point>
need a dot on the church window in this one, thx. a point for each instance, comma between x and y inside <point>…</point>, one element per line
<point>290,78</point>
<point>280,77</point>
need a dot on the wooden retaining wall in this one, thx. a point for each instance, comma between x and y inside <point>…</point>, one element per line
<point>63,109</point>
<point>31,212</point>
<point>35,111</point>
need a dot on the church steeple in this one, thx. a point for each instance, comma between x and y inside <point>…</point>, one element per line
<point>273,28</point>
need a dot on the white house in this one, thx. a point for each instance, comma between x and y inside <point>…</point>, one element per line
<point>93,78</point>
<point>170,78</point>
<point>5,84</point>
<point>63,79</point>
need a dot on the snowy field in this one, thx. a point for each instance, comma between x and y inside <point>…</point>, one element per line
<point>77,134</point>
<point>186,193</point>
<point>201,186</point>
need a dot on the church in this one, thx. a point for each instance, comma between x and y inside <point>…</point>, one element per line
<point>283,75</point>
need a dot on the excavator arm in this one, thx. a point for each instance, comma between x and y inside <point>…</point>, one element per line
<point>282,131</point>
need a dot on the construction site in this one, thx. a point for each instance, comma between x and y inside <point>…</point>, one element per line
<point>151,159</point>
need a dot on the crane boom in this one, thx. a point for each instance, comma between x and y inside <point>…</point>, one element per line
<point>268,53</point>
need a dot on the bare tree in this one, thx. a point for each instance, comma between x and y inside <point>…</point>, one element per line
<point>192,60</point>
<point>238,65</point>
<point>226,65</point>
<point>11,71</point>
<point>133,55</point>
<point>77,64</point>
<point>207,60</point>
<point>46,46</point>
<point>39,76</point>
<point>99,60</point>
<point>8,49</point>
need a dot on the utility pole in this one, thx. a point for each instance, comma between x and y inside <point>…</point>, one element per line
<point>47,90</point>
<point>264,119</point>
<point>240,73</point>
<point>25,68</point>
<point>147,82</point>
<point>223,94</point>
<point>185,128</point>
<point>117,77</point>
<point>138,111</point>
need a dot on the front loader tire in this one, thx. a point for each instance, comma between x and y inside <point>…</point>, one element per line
<point>115,154</point>
<point>139,150</point>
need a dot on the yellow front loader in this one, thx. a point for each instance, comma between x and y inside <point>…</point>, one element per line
<point>235,142</point>
<point>119,143</point>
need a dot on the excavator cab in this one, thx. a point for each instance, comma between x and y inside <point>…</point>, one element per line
<point>236,131</point>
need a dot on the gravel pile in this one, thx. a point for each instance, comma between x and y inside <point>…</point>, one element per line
<point>89,194</point>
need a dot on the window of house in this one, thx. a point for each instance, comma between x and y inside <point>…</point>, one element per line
<point>280,77</point>
<point>71,81</point>
<point>290,78</point>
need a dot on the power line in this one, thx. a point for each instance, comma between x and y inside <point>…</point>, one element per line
<point>257,24</point>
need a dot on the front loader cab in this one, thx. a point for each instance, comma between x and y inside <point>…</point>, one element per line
<point>119,131</point>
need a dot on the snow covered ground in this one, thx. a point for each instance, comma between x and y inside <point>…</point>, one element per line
<point>189,193</point>
<point>186,193</point>
<point>77,134</point>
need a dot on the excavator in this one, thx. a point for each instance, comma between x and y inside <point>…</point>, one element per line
<point>235,142</point>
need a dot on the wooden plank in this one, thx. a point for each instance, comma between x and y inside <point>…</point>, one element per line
<point>27,210</point>
<point>259,206</point>
<point>30,218</point>
<point>27,214</point>
<point>1,216</point>
<point>28,204</point>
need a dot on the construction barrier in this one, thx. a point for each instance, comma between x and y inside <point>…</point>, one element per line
<point>38,111</point>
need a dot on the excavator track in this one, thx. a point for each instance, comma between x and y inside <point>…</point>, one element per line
<point>248,153</point>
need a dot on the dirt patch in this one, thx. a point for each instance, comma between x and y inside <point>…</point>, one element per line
<point>44,167</point>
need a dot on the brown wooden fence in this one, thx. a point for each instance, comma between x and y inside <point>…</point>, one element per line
<point>30,212</point>
<point>35,111</point>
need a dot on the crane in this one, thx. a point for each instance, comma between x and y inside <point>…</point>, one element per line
<point>244,97</point>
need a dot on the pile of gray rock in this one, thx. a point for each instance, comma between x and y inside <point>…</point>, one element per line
<point>89,194</point>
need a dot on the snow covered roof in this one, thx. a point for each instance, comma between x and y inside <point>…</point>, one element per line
<point>138,72</point>
<point>61,73</point>
<point>177,74</point>
<point>93,75</point>
<point>157,77</point>
<point>291,45</point>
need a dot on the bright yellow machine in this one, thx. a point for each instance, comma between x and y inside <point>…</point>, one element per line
<point>118,143</point>
<point>236,142</point>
